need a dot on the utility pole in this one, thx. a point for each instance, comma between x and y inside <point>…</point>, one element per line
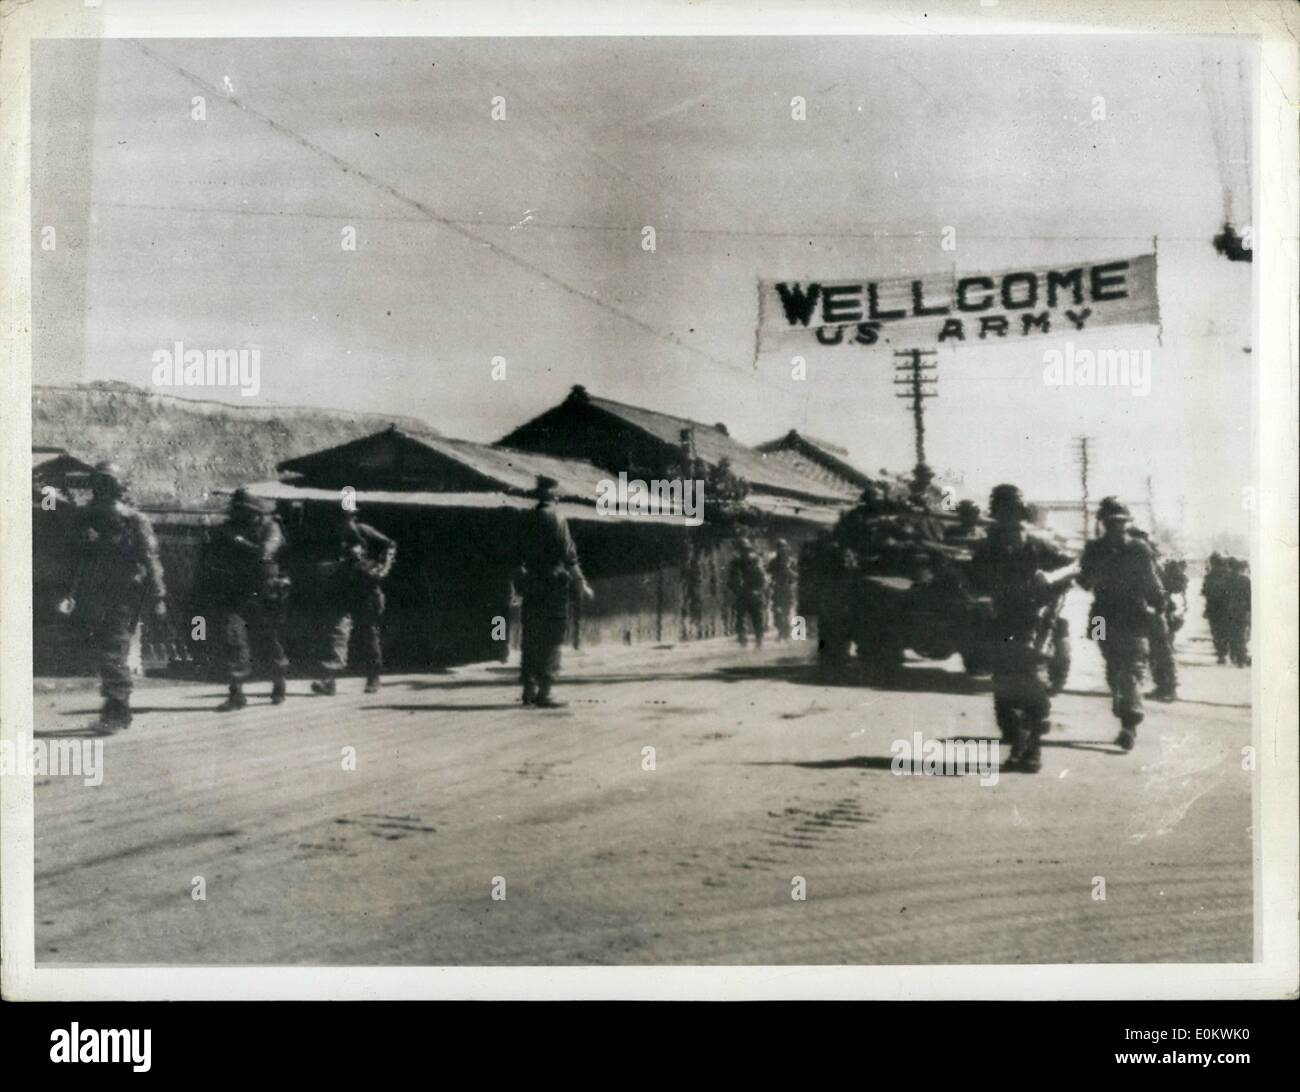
<point>917,384</point>
<point>1083,458</point>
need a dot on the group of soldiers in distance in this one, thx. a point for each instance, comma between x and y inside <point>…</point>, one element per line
<point>1226,591</point>
<point>756,587</point>
<point>1139,603</point>
<point>118,577</point>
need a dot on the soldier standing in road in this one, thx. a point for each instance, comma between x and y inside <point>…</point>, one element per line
<point>365,558</point>
<point>118,573</point>
<point>747,581</point>
<point>546,578</point>
<point>252,593</point>
<point>1236,611</point>
<point>784,574</point>
<point>1212,592</point>
<point>1012,566</point>
<point>1120,572</point>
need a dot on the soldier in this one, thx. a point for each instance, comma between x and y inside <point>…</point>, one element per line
<point>252,595</point>
<point>967,530</point>
<point>1212,592</point>
<point>747,581</point>
<point>1012,567</point>
<point>1120,572</point>
<point>1236,611</point>
<point>546,577</point>
<point>118,572</point>
<point>834,569</point>
<point>364,559</point>
<point>783,572</point>
<point>1164,671</point>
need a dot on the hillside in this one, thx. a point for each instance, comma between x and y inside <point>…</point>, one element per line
<point>177,451</point>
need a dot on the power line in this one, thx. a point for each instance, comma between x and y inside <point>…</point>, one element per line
<point>726,233</point>
<point>917,383</point>
<point>430,214</point>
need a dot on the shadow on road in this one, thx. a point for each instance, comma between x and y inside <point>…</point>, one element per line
<point>443,708</point>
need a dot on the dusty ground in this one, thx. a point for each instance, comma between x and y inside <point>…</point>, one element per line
<point>761,775</point>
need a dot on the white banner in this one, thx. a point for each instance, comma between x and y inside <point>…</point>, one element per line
<point>958,309</point>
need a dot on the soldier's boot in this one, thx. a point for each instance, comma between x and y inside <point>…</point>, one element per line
<point>324,687</point>
<point>234,700</point>
<point>372,684</point>
<point>1031,754</point>
<point>529,696</point>
<point>1164,694</point>
<point>277,692</point>
<point>545,701</point>
<point>114,716</point>
<point>1128,732</point>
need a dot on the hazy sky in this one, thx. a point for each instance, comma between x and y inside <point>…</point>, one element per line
<point>225,233</point>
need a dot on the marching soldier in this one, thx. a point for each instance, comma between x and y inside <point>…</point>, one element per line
<point>547,575</point>
<point>833,568</point>
<point>1120,572</point>
<point>118,573</point>
<point>364,559</point>
<point>252,594</point>
<point>1236,611</point>
<point>1212,592</point>
<point>783,572</point>
<point>1164,671</point>
<point>1012,567</point>
<point>747,581</point>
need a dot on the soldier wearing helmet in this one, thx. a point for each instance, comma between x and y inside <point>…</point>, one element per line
<point>1236,611</point>
<point>1212,591</point>
<point>747,582</point>
<point>118,576</point>
<point>546,579</point>
<point>1011,565</point>
<point>783,572</point>
<point>251,594</point>
<point>363,559</point>
<point>1120,571</point>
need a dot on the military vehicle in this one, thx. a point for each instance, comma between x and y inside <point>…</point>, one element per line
<point>892,578</point>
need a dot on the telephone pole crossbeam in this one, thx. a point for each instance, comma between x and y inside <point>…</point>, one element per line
<point>912,369</point>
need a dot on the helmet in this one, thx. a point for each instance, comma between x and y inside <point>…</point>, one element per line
<point>1112,508</point>
<point>109,477</point>
<point>1007,498</point>
<point>241,500</point>
<point>545,487</point>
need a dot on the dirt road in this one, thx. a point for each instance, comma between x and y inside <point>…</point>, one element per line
<point>760,775</point>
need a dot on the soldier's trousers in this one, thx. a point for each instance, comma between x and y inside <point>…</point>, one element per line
<point>542,640</point>
<point>1124,652</point>
<point>833,635</point>
<point>254,625</point>
<point>109,633</point>
<point>1020,698</point>
<point>1237,640</point>
<point>782,609</point>
<point>1164,672</point>
<point>751,612</point>
<point>363,610</point>
<point>1218,635</point>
